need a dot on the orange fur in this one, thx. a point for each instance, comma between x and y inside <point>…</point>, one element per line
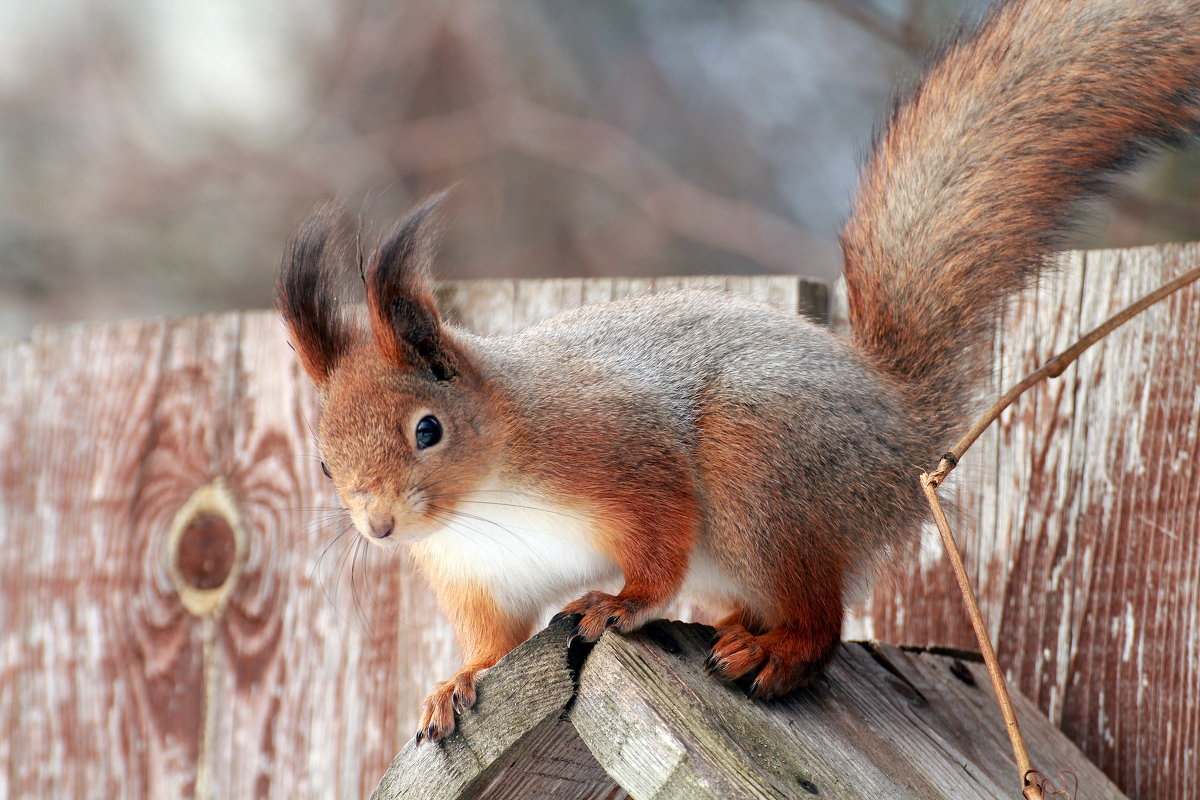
<point>486,633</point>
<point>982,166</point>
<point>792,626</point>
<point>653,565</point>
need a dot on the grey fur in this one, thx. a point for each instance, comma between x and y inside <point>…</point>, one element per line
<point>845,444</point>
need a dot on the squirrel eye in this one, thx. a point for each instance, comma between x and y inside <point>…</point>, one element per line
<point>325,469</point>
<point>429,432</point>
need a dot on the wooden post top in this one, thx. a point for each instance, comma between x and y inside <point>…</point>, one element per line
<point>637,716</point>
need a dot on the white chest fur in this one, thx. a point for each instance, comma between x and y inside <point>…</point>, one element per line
<point>528,553</point>
<point>708,586</point>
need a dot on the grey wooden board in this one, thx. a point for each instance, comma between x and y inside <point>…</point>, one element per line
<point>883,723</point>
<point>554,764</point>
<point>518,699</point>
<point>507,306</point>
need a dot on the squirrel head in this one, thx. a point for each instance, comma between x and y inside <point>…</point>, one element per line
<point>406,428</point>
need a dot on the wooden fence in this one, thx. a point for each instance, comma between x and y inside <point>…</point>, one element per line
<point>180,614</point>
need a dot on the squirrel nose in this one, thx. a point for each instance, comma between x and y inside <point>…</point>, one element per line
<point>381,525</point>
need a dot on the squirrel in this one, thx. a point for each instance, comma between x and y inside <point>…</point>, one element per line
<point>696,443</point>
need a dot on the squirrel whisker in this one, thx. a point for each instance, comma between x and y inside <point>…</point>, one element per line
<point>460,518</point>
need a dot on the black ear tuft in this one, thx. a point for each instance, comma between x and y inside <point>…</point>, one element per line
<point>404,317</point>
<point>304,292</point>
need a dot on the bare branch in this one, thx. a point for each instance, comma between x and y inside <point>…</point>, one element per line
<point>615,158</point>
<point>1054,367</point>
<point>1030,788</point>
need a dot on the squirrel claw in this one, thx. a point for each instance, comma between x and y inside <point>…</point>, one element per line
<point>599,612</point>
<point>447,700</point>
<point>778,662</point>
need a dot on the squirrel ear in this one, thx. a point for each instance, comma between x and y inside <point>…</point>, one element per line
<point>304,292</point>
<point>404,317</point>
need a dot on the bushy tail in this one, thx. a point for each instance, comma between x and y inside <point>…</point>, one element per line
<point>982,165</point>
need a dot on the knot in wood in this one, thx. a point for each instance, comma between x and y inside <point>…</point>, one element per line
<point>808,786</point>
<point>205,548</point>
<point>908,692</point>
<point>206,551</point>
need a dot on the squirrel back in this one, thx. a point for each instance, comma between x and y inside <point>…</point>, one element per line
<point>985,161</point>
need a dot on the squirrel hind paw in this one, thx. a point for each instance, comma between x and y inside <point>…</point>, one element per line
<point>775,663</point>
<point>453,697</point>
<point>598,612</point>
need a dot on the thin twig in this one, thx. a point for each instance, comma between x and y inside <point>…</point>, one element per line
<point>1030,778</point>
<point>1053,368</point>
<point>1031,789</point>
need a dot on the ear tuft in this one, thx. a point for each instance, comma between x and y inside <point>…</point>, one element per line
<point>404,317</point>
<point>305,292</point>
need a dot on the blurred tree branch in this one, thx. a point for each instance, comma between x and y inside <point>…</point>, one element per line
<point>902,36</point>
<point>587,138</point>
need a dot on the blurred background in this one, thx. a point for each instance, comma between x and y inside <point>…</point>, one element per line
<point>154,154</point>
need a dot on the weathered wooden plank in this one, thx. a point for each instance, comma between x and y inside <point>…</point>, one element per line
<point>323,646</point>
<point>1079,517</point>
<point>122,691</point>
<point>520,702</point>
<point>557,765</point>
<point>1133,625</point>
<point>502,306</point>
<point>109,669</point>
<point>882,723</point>
<point>483,306</point>
<point>15,361</point>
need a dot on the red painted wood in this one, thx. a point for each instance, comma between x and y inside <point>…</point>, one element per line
<point>1079,514</point>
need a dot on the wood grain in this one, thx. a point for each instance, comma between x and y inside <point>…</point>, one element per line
<point>556,765</point>
<point>516,717</point>
<point>123,692</point>
<point>1080,520</point>
<point>14,539</point>
<point>884,723</point>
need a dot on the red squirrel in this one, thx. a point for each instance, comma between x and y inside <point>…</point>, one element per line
<point>698,443</point>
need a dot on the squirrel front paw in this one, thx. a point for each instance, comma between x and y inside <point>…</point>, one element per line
<point>598,612</point>
<point>453,696</point>
<point>782,659</point>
